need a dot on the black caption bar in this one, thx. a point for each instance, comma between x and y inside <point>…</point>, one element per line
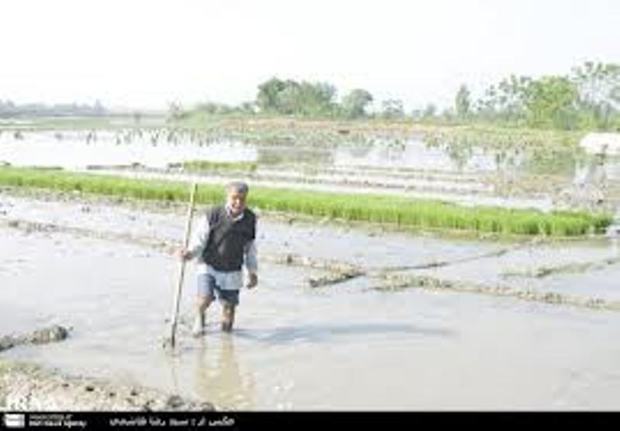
<point>320,421</point>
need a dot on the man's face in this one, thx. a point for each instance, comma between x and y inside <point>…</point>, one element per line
<point>236,201</point>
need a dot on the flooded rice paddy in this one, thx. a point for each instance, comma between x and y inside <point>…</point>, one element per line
<point>451,170</point>
<point>344,318</point>
<point>103,267</point>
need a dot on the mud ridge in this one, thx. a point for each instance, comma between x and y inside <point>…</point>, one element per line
<point>26,387</point>
<point>339,272</point>
<point>40,336</point>
<point>569,268</point>
<point>442,263</point>
<point>399,282</point>
<point>28,227</point>
<point>344,269</point>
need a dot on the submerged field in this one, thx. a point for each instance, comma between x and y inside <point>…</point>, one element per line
<point>436,319</point>
<point>416,273</point>
<point>523,183</point>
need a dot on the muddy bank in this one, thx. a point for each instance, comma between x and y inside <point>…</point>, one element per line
<point>25,387</point>
<point>40,336</point>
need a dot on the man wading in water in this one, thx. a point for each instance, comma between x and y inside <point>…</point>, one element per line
<point>223,245</point>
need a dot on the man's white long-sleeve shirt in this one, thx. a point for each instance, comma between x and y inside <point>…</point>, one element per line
<point>226,280</point>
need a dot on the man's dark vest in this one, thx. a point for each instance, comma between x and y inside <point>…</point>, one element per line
<point>224,250</point>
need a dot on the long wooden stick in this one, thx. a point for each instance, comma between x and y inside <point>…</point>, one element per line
<point>177,293</point>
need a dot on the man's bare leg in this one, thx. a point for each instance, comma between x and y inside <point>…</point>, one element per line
<point>228,317</point>
<point>202,303</point>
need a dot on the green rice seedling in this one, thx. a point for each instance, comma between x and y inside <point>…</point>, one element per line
<point>398,211</point>
<point>208,166</point>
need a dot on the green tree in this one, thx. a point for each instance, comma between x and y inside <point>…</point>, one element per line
<point>462,102</point>
<point>598,85</point>
<point>247,107</point>
<point>551,101</point>
<point>505,100</point>
<point>215,108</point>
<point>429,111</point>
<point>316,99</point>
<point>175,111</point>
<point>355,102</point>
<point>294,98</point>
<point>288,100</point>
<point>510,97</point>
<point>268,93</point>
<point>392,108</point>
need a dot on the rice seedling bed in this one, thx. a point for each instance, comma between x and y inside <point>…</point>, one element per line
<point>391,210</point>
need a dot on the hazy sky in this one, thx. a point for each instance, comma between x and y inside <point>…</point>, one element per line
<point>141,53</point>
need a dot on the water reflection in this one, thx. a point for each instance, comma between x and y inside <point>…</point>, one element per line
<point>452,156</point>
<point>110,148</point>
<point>558,163</point>
<point>331,333</point>
<point>78,150</point>
<point>284,155</point>
<point>594,185</point>
<point>592,171</point>
<point>433,167</point>
<point>218,376</point>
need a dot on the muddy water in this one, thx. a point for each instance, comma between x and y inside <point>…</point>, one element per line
<point>78,149</point>
<point>415,152</point>
<point>297,347</point>
<point>472,175</point>
<point>585,269</point>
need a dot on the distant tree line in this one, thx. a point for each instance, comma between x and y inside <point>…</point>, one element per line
<point>292,98</point>
<point>587,98</point>
<point>10,109</point>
